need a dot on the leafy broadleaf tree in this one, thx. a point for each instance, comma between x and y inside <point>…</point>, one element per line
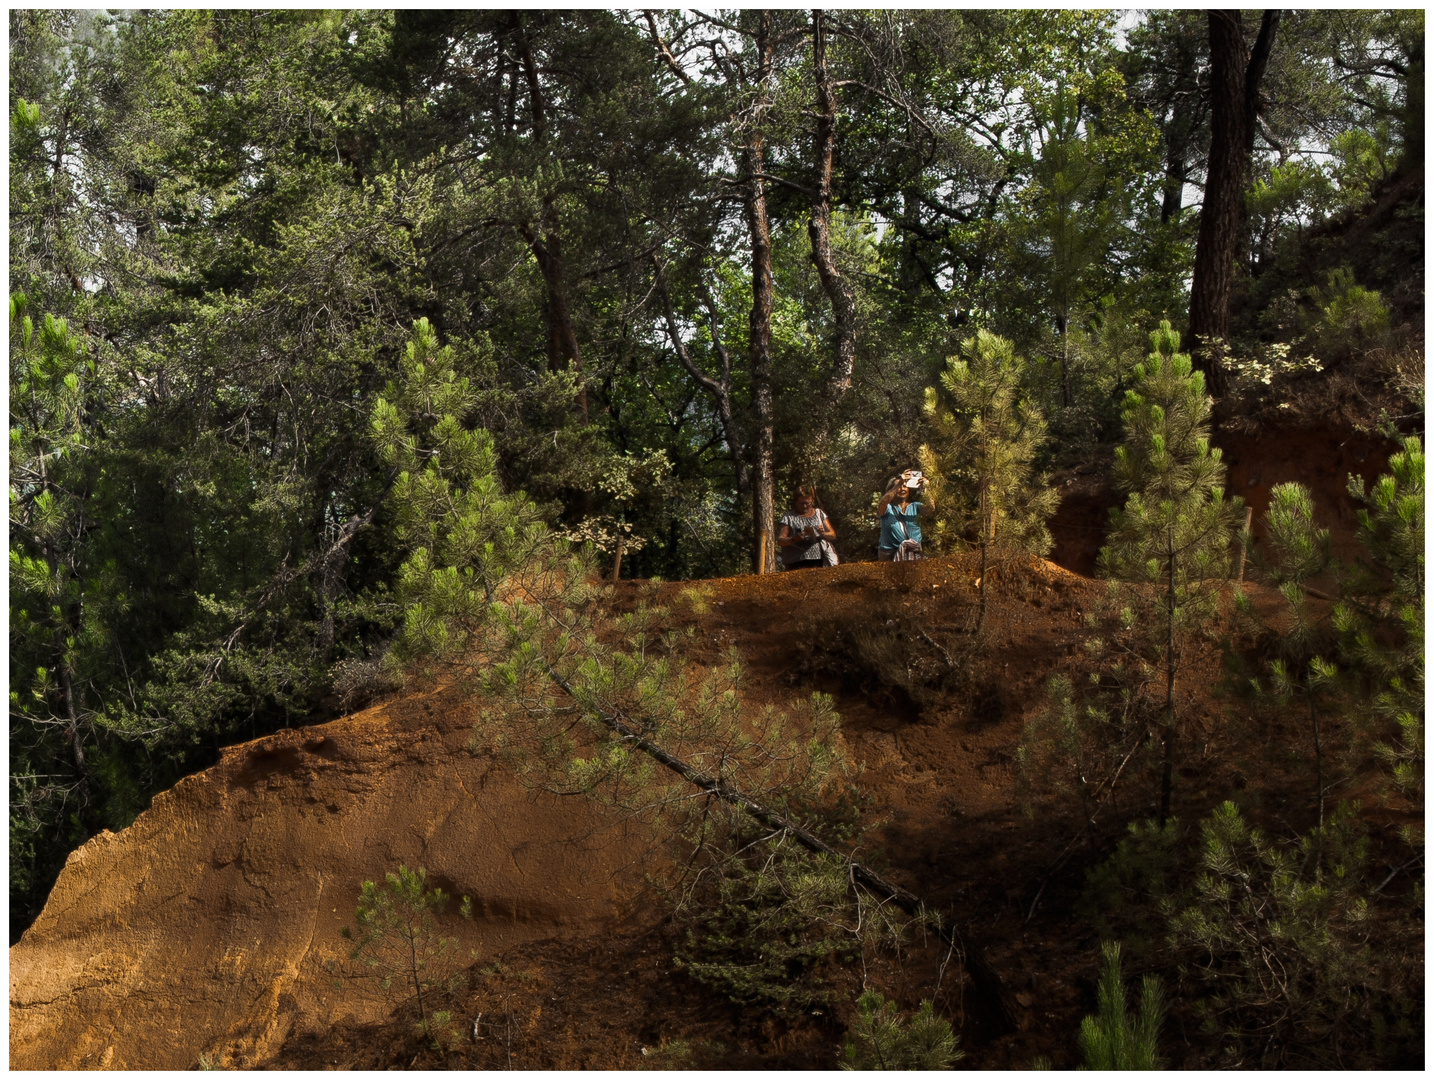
<point>1174,532</point>
<point>980,460</point>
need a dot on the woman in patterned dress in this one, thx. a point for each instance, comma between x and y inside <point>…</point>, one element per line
<point>803,532</point>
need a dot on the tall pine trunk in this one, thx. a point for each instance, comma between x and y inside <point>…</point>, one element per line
<point>1235,77</point>
<point>546,244</point>
<point>562,338</point>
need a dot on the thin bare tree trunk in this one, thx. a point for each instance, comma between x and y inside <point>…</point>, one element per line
<point>837,288</point>
<point>719,389</point>
<point>72,726</point>
<point>1245,542</point>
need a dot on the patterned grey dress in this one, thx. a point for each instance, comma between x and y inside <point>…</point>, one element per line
<point>801,552</point>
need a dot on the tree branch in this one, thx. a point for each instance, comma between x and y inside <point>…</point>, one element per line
<point>987,982</point>
<point>662,48</point>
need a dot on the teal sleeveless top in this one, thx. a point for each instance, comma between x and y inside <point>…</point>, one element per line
<point>897,526</point>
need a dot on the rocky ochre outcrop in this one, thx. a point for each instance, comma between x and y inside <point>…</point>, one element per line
<point>206,926</point>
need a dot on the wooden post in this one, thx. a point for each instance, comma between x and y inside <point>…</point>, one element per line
<point>617,560</point>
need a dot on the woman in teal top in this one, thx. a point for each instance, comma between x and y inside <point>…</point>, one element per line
<point>899,516</point>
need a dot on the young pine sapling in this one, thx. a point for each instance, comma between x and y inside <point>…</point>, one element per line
<point>1175,529</point>
<point>980,461</point>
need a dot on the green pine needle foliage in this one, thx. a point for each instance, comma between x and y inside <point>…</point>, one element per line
<point>1382,628</point>
<point>1176,519</point>
<point>980,460</point>
<point>880,1039</point>
<point>1284,958</point>
<point>1114,1039</point>
<point>397,946</point>
<point>763,933</point>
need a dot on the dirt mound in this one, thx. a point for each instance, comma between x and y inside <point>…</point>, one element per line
<point>204,928</point>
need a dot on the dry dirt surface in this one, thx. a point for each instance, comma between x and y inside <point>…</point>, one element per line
<point>205,927</point>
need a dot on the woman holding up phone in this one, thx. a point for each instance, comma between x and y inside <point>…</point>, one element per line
<point>899,514</point>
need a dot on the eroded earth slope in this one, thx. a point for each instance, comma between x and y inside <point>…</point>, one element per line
<point>206,927</point>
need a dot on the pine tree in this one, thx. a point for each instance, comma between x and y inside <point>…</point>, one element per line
<point>880,1041</point>
<point>985,439</point>
<point>1299,552</point>
<point>464,534</point>
<point>1175,529</point>
<point>1391,527</point>
<point>397,938</point>
<point>63,599</point>
<point>1112,1039</point>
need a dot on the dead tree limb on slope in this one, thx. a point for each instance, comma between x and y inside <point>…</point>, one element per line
<point>990,990</point>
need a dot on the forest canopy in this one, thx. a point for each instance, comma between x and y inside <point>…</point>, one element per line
<point>686,261</point>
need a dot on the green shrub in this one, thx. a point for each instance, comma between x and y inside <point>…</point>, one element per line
<point>1277,946</point>
<point>762,931</point>
<point>1123,894</point>
<point>1350,317</point>
<point>1077,747</point>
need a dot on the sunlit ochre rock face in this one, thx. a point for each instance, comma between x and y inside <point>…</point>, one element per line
<point>207,925</point>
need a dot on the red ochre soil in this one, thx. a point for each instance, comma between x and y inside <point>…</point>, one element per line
<point>206,928</point>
